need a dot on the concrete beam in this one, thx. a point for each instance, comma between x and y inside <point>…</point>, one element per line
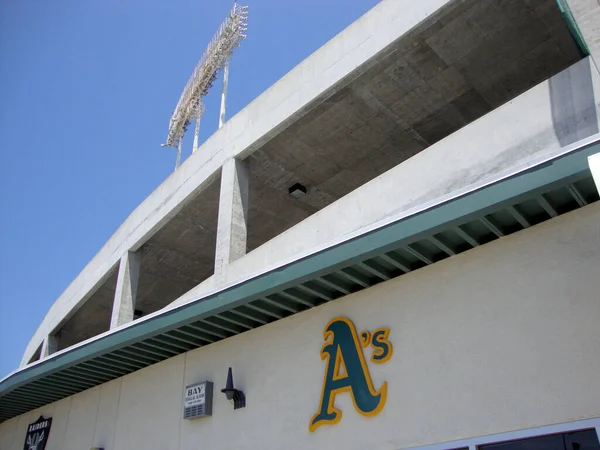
<point>232,227</point>
<point>125,293</point>
<point>594,162</point>
<point>587,17</point>
<point>49,346</point>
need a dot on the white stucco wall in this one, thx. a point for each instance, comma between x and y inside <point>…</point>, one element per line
<point>503,337</point>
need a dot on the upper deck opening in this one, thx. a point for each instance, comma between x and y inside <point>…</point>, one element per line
<point>459,64</point>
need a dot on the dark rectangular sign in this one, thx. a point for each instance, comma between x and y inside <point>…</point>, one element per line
<point>37,434</point>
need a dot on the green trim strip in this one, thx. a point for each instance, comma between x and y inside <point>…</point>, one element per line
<point>568,168</point>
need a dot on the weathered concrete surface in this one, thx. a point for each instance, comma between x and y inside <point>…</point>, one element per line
<point>447,72</point>
<point>595,168</point>
<point>126,290</point>
<point>91,316</point>
<point>555,113</point>
<point>402,77</point>
<point>181,253</point>
<point>232,227</point>
<point>587,16</point>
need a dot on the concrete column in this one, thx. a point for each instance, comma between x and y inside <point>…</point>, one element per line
<point>49,346</point>
<point>224,94</point>
<point>594,162</point>
<point>232,228</point>
<point>125,293</point>
<point>196,134</point>
<point>587,17</point>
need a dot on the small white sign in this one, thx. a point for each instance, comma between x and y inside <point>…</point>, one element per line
<point>197,400</point>
<point>195,395</point>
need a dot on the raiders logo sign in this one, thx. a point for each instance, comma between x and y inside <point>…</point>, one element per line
<point>37,434</point>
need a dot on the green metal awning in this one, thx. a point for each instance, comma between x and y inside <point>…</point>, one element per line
<point>461,221</point>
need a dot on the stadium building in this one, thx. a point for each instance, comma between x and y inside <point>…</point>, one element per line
<point>396,246</point>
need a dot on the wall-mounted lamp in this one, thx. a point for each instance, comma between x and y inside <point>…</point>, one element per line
<point>238,397</point>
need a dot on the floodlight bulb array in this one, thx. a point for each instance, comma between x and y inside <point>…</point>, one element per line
<point>217,53</point>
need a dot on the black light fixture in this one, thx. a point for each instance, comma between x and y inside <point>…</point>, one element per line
<point>238,397</point>
<point>297,190</point>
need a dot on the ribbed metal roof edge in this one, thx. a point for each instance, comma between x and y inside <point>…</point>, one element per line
<point>559,165</point>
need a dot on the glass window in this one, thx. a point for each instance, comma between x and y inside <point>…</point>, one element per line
<point>582,440</point>
<point>576,440</point>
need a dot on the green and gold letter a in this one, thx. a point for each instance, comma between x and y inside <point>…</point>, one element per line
<point>346,371</point>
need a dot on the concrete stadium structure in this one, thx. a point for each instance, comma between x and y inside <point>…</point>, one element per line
<point>430,170</point>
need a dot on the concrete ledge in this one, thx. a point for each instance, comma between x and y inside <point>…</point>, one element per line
<point>587,16</point>
<point>316,78</point>
<point>550,116</point>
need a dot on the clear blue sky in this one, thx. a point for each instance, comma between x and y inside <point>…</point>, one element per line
<point>86,92</point>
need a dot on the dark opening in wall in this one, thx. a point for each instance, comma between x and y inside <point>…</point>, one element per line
<point>181,254</point>
<point>93,317</point>
<point>36,356</point>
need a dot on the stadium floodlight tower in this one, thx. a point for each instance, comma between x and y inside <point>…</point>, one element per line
<point>214,59</point>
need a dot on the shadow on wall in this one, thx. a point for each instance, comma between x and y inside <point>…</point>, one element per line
<point>574,112</point>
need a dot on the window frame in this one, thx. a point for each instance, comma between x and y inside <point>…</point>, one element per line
<point>474,443</point>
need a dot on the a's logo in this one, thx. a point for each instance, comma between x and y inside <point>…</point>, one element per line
<point>346,370</point>
<point>37,434</point>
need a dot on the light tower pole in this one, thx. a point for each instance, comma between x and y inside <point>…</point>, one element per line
<point>214,59</point>
<point>196,134</point>
<point>178,158</point>
<point>224,94</point>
